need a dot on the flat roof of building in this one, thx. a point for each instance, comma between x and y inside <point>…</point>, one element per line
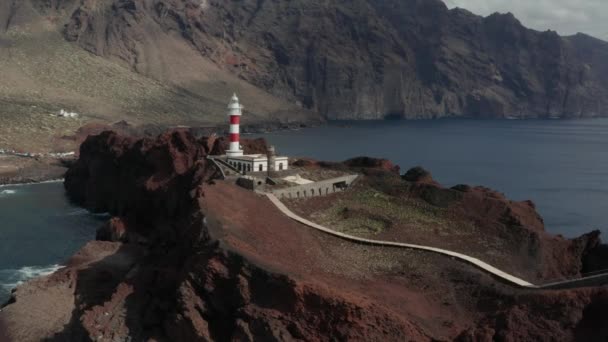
<point>250,157</point>
<point>255,157</point>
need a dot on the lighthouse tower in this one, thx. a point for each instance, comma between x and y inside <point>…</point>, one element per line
<point>235,110</point>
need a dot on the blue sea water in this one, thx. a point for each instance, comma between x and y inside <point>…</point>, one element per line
<point>39,230</point>
<point>561,165</point>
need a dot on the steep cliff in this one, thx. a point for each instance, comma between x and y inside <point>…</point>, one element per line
<point>358,59</point>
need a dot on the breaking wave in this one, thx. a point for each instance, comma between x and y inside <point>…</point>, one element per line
<point>11,278</point>
<point>33,183</point>
<point>7,192</point>
<point>78,212</point>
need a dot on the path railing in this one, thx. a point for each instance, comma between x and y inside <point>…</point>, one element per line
<point>223,164</point>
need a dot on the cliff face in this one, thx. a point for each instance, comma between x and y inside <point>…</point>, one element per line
<point>359,59</point>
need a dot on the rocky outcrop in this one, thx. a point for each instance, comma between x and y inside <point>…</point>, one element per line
<point>582,321</point>
<point>203,260</point>
<point>418,175</point>
<point>358,164</point>
<point>372,163</point>
<point>363,59</point>
<point>121,175</point>
<point>516,222</point>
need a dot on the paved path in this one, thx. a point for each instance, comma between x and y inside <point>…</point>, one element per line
<point>597,280</point>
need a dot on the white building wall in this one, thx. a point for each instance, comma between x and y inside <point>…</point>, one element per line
<point>256,166</point>
<point>241,165</point>
<point>278,163</point>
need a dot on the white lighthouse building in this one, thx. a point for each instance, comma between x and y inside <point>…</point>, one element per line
<point>247,163</point>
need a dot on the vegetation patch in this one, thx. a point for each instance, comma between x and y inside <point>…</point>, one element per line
<point>367,212</point>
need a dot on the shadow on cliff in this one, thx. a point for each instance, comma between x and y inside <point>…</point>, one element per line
<point>94,285</point>
<point>3,331</point>
<point>128,293</point>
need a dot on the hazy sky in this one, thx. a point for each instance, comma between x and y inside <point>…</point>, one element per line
<point>564,16</point>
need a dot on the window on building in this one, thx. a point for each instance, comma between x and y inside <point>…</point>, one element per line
<point>280,166</point>
<point>261,167</point>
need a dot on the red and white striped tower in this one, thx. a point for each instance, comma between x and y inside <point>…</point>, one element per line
<point>235,110</point>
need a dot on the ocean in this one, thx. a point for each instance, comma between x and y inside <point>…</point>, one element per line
<point>39,230</point>
<point>561,165</point>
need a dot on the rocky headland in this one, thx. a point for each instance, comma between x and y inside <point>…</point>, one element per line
<point>188,257</point>
<point>175,62</point>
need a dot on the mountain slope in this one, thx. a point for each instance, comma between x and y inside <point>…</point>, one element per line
<point>362,59</point>
<point>42,72</point>
<point>175,61</point>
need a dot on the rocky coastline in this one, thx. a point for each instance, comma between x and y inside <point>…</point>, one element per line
<point>188,257</point>
<point>20,170</point>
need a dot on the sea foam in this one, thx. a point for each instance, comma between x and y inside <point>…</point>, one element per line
<point>11,278</point>
<point>78,212</point>
<point>7,192</point>
<point>32,183</point>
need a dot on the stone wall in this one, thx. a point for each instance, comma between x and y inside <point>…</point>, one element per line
<point>321,188</point>
<point>251,183</point>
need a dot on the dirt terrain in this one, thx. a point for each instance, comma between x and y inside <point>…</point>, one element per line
<point>372,214</point>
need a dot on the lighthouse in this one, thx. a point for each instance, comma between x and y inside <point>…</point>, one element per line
<point>248,163</point>
<point>235,110</point>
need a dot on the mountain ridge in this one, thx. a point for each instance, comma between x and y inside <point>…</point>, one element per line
<point>175,61</point>
<point>372,59</point>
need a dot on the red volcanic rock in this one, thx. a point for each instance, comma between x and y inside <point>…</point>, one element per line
<point>596,255</point>
<point>222,264</point>
<point>117,229</point>
<point>577,315</point>
<point>146,177</point>
<point>517,223</point>
<point>374,163</point>
<point>365,165</point>
<point>114,230</point>
<point>488,206</point>
<point>210,143</point>
<point>419,175</point>
<point>257,306</point>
